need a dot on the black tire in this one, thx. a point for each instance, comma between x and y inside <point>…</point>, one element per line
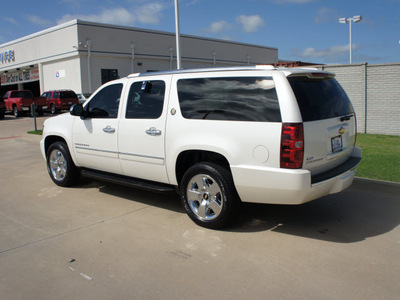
<point>60,166</point>
<point>209,196</point>
<point>53,109</point>
<point>17,114</point>
<point>2,115</point>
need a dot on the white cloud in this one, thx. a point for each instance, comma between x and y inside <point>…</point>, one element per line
<point>115,16</point>
<point>149,13</point>
<point>11,20</point>
<point>250,23</point>
<point>332,52</point>
<point>326,14</point>
<point>220,26</point>
<point>38,21</point>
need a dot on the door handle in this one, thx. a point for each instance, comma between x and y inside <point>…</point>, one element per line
<point>153,131</point>
<point>108,129</point>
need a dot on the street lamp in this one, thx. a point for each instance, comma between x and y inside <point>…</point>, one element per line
<point>354,19</point>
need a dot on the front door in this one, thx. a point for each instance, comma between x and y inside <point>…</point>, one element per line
<point>95,137</point>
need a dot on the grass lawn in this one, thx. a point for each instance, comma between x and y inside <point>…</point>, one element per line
<point>38,132</point>
<point>381,157</point>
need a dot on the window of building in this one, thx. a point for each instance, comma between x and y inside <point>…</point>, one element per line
<point>108,75</point>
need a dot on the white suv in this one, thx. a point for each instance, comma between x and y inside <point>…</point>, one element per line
<point>221,136</point>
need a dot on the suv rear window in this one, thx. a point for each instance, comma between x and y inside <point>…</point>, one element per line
<point>229,98</point>
<point>320,99</point>
<point>68,94</point>
<point>21,94</point>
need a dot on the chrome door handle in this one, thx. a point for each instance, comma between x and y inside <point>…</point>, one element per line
<point>153,131</point>
<point>108,129</point>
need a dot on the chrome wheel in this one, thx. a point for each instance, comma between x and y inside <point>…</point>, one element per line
<point>205,197</point>
<point>16,112</point>
<point>53,109</point>
<point>58,165</point>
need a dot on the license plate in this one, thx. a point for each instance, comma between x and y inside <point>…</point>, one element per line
<point>337,143</point>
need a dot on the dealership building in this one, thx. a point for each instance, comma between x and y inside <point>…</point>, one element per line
<point>81,56</point>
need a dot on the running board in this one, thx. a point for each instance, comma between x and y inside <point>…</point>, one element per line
<point>129,181</point>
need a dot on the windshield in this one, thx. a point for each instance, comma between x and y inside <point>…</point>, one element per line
<point>320,98</point>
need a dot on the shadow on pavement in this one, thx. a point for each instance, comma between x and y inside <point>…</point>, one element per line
<point>168,201</point>
<point>366,209</point>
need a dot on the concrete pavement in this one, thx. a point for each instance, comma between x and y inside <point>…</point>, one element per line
<point>103,241</point>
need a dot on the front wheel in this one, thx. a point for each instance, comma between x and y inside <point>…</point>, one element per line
<point>209,195</point>
<point>60,166</point>
<point>53,109</point>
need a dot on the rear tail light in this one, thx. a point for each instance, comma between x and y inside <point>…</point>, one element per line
<point>292,146</point>
<point>355,129</point>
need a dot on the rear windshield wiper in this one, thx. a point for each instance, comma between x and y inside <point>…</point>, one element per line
<point>346,117</point>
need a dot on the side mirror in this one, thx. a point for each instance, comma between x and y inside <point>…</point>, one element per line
<point>77,110</point>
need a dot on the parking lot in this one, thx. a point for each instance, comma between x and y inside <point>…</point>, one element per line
<point>103,241</point>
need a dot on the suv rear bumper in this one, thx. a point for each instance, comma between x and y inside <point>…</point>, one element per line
<point>284,186</point>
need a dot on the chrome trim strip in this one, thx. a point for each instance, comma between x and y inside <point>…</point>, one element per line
<point>122,153</point>
<point>141,155</point>
<point>98,150</point>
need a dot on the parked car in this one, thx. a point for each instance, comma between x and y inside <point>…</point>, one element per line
<point>20,102</point>
<point>220,136</point>
<point>83,97</point>
<point>2,108</point>
<point>58,100</point>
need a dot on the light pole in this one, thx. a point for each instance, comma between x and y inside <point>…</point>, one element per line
<point>354,19</point>
<point>178,35</point>
<point>88,44</point>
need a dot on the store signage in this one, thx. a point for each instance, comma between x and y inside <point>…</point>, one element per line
<point>60,73</point>
<point>7,56</point>
<point>20,77</point>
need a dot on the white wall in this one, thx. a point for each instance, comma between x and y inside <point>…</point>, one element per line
<point>68,72</point>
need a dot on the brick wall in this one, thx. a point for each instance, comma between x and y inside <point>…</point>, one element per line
<point>374,91</point>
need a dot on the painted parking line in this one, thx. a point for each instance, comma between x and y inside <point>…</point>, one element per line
<point>10,137</point>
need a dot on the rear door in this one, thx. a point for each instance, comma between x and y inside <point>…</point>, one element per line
<point>328,119</point>
<point>141,135</point>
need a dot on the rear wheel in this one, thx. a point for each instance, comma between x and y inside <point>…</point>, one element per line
<point>60,166</point>
<point>17,114</point>
<point>209,196</point>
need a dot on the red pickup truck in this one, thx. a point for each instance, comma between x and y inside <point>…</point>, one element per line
<point>20,102</point>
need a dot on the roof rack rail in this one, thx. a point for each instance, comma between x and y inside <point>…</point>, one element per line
<point>194,70</point>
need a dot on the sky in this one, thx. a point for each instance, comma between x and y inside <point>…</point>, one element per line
<point>302,30</point>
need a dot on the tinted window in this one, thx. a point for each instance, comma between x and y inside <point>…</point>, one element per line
<point>231,98</point>
<point>21,94</point>
<point>145,100</point>
<point>68,94</point>
<point>105,103</point>
<point>320,99</point>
